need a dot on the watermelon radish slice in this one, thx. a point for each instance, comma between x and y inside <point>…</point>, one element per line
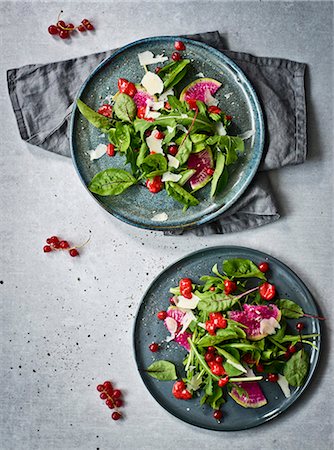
<point>252,397</point>
<point>261,320</point>
<point>201,162</point>
<point>199,89</point>
<point>141,96</point>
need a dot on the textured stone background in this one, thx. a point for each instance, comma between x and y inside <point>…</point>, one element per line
<point>67,323</point>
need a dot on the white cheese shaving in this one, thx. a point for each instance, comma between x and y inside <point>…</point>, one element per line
<point>98,152</point>
<point>268,326</point>
<point>152,83</point>
<point>220,129</point>
<point>157,105</point>
<point>170,129</point>
<point>200,75</point>
<point>186,321</point>
<point>154,144</point>
<point>169,176</point>
<point>164,96</point>
<point>173,162</point>
<point>228,95</point>
<point>171,325</point>
<point>152,114</point>
<point>189,303</point>
<point>209,99</point>
<point>247,134</point>
<point>146,58</point>
<point>160,217</point>
<point>284,385</point>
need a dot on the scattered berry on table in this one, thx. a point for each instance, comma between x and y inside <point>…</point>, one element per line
<point>179,45</point>
<point>176,56</point>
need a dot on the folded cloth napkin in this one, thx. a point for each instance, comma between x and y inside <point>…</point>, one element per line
<point>42,97</point>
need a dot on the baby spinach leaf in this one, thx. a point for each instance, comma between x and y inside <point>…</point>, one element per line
<point>125,108</point>
<point>220,163</point>
<point>173,72</point>
<point>142,154</point>
<point>211,302</point>
<point>197,138</point>
<point>111,182</point>
<point>242,268</point>
<point>296,368</point>
<point>289,309</point>
<point>184,151</point>
<point>153,165</point>
<point>216,399</point>
<point>181,195</point>
<point>209,386</point>
<point>112,136</point>
<point>162,370</point>
<point>96,119</point>
<point>141,126</point>
<point>122,136</point>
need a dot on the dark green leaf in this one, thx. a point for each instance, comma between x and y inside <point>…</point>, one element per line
<point>211,302</point>
<point>96,119</point>
<point>111,182</point>
<point>296,368</point>
<point>125,108</point>
<point>289,309</point>
<point>220,163</point>
<point>162,370</point>
<point>112,136</point>
<point>141,126</point>
<point>142,154</point>
<point>153,165</point>
<point>181,195</point>
<point>242,268</point>
<point>186,175</point>
<point>184,151</point>
<point>173,72</point>
<point>122,136</point>
<point>176,104</point>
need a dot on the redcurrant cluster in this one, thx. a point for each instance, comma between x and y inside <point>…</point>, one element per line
<point>216,320</point>
<point>54,243</point>
<point>64,30</point>
<point>112,398</point>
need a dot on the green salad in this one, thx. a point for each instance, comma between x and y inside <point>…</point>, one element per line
<point>237,332</point>
<point>172,142</point>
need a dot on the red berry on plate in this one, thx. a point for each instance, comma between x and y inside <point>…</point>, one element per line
<point>272,377</point>
<point>47,249</point>
<point>173,149</point>
<point>81,28</point>
<point>210,172</point>
<point>63,244</point>
<point>155,184</point>
<point>116,415</point>
<point>259,367</point>
<point>209,357</point>
<point>64,34</point>
<point>179,45</point>
<point>110,403</point>
<point>186,287</point>
<point>210,328</point>
<point>130,90</point>
<point>141,111</point>
<point>211,349</point>
<point>105,110</point>
<point>214,110</point>
<point>116,394</point>
<point>157,69</point>
<point>103,395</point>
<point>85,22</point>
<point>167,106</point>
<point>228,117</point>
<point>118,403</point>
<point>154,347</point>
<point>300,326</point>
<point>217,414</point>
<point>159,135</point>
<point>292,349</point>
<point>53,30</point>
<point>53,240</point>
<point>212,288</point>
<point>263,267</point>
<point>110,150</point>
<point>223,381</point>
<point>74,252</point>
<point>192,104</point>
<point>218,359</point>
<point>267,291</point>
<point>176,56</point>
<point>229,286</point>
<point>162,315</point>
<point>61,24</point>
<point>99,387</point>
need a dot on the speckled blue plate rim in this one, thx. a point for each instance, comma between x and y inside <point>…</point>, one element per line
<point>263,256</point>
<point>259,128</point>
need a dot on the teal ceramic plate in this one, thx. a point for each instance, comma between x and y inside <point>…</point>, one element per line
<point>148,329</point>
<point>137,206</point>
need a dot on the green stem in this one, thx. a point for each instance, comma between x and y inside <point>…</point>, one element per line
<point>241,379</point>
<point>277,344</point>
<point>201,360</point>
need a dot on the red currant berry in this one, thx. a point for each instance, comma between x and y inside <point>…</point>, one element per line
<point>223,381</point>
<point>212,289</point>
<point>176,56</point>
<point>157,69</point>
<point>99,387</point>
<point>292,349</point>
<point>110,150</point>
<point>61,24</point>
<point>47,249</point>
<point>116,394</point>
<point>118,403</point>
<point>272,377</point>
<point>211,349</point>
<point>267,291</point>
<point>53,30</point>
<point>56,245</point>
<point>103,395</point>
<point>179,45</point>
<point>219,359</point>
<point>85,22</point>
<point>64,34</point>
<point>81,28</point>
<point>209,357</point>
<point>105,110</point>
<point>218,415</point>
<point>210,171</point>
<point>210,328</point>
<point>259,367</point>
<point>159,135</point>
<point>107,385</point>
<point>70,25</point>
<point>74,252</point>
<point>110,403</point>
<point>63,244</point>
<point>162,315</point>
<point>228,117</point>
<point>155,184</point>
<point>186,287</point>
<point>214,110</point>
<point>167,106</point>
<point>192,103</point>
<point>263,267</point>
<point>53,240</point>
<point>229,286</point>
<point>300,326</point>
<point>154,347</point>
<point>173,149</point>
<point>116,415</point>
<point>90,27</point>
<point>141,111</point>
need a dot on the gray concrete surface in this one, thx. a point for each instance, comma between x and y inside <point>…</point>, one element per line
<point>66,323</point>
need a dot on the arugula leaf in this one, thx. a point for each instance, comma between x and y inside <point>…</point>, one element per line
<point>162,370</point>
<point>216,399</point>
<point>198,138</point>
<point>142,153</point>
<point>181,195</point>
<point>111,182</point>
<point>125,108</point>
<point>112,136</point>
<point>96,119</point>
<point>289,309</point>
<point>141,126</point>
<point>296,368</point>
<point>220,163</point>
<point>186,175</point>
<point>184,151</point>
<point>172,73</point>
<point>230,359</point>
<point>242,268</point>
<point>153,165</point>
<point>176,104</point>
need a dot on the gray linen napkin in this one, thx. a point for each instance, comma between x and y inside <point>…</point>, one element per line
<point>42,97</point>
